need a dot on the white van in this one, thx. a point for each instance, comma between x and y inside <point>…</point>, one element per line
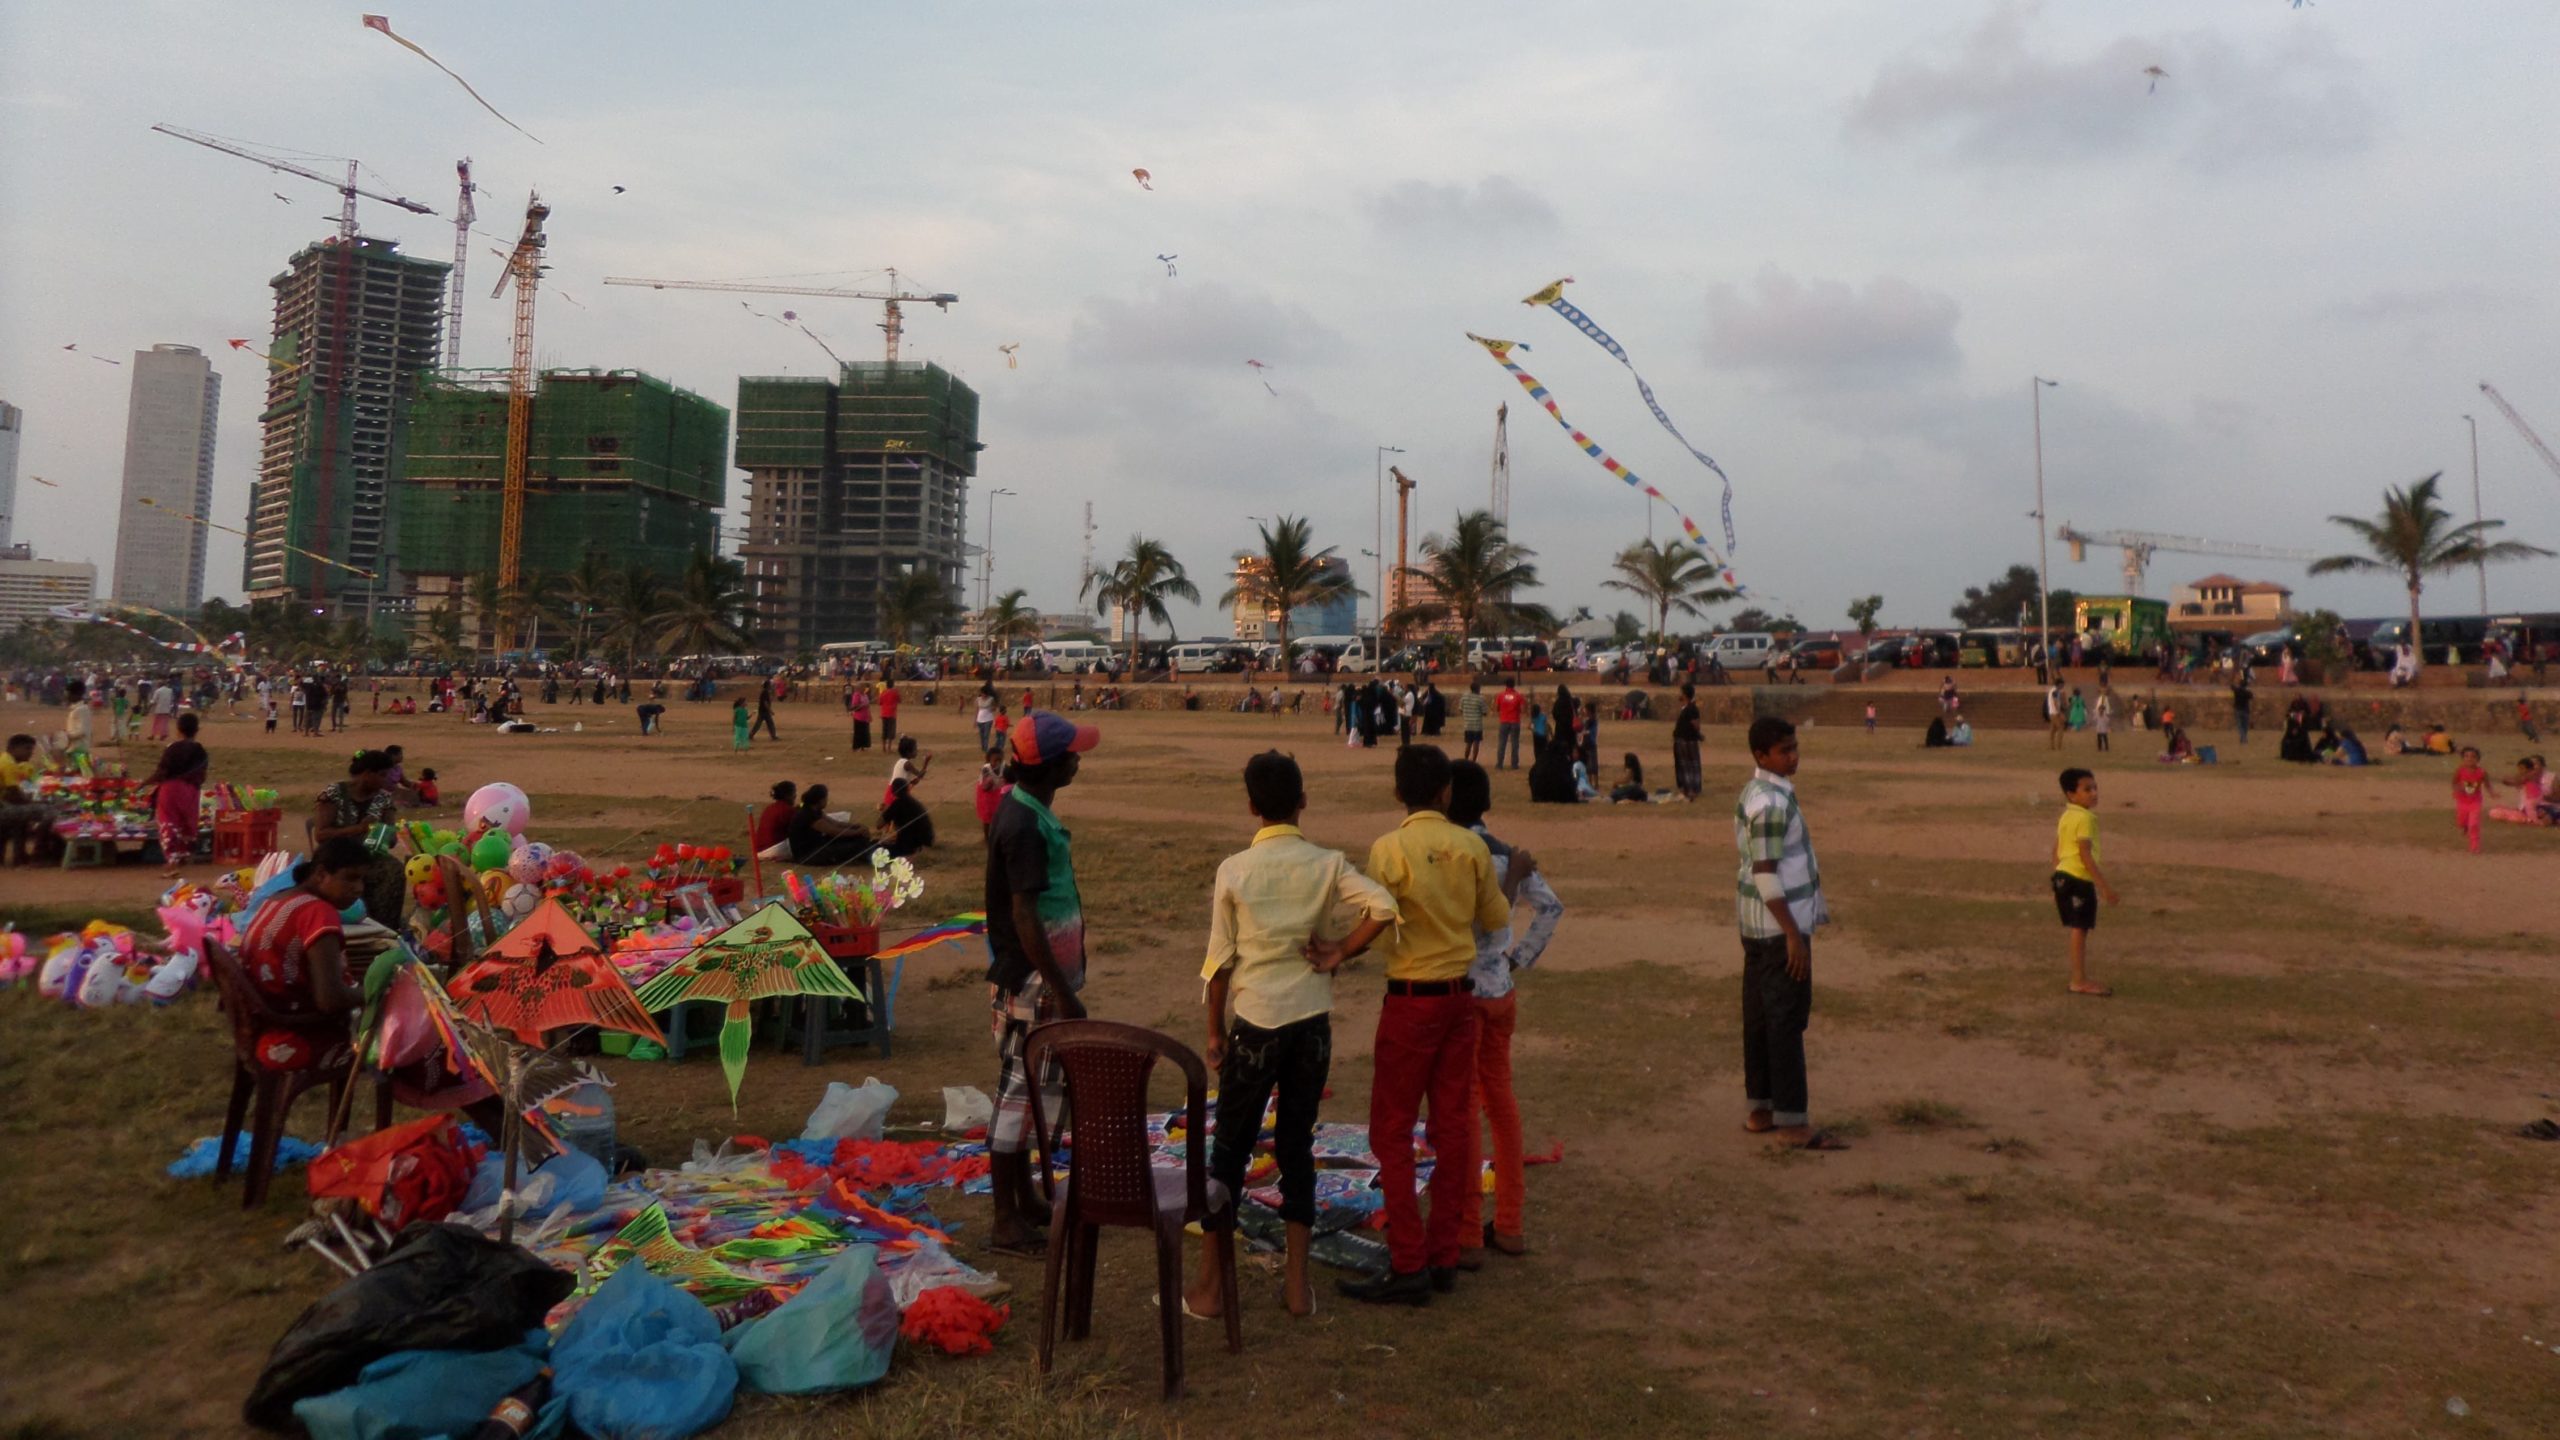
<point>1360,657</point>
<point>1194,657</point>
<point>1068,657</point>
<point>1744,649</point>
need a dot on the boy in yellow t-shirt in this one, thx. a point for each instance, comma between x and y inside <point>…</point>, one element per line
<point>2078,883</point>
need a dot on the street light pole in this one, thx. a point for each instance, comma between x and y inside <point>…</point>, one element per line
<point>987,557</point>
<point>2482,566</point>
<point>1380,554</point>
<point>2044,582</point>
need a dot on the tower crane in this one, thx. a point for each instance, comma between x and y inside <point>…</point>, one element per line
<point>2140,545</point>
<point>463,214</point>
<point>524,267</point>
<point>1404,515</point>
<point>347,189</point>
<point>2521,428</point>
<point>1502,463</point>
<point>893,325</point>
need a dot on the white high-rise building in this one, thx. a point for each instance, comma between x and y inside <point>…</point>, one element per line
<point>31,588</point>
<point>168,461</point>
<point>12,420</point>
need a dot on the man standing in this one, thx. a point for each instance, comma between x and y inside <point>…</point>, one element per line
<point>1507,708</point>
<point>1471,709</point>
<point>2242,697</point>
<point>1779,906</point>
<point>889,710</point>
<point>1035,932</point>
<point>2057,714</point>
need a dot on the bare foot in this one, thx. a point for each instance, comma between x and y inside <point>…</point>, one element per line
<point>1204,1302</point>
<point>2092,988</point>
<point>1299,1297</point>
<point>1758,1122</point>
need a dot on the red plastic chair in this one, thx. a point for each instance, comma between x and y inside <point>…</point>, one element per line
<point>263,1097</point>
<point>1111,1180</point>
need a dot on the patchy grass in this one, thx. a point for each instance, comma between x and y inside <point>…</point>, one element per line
<point>1921,1114</point>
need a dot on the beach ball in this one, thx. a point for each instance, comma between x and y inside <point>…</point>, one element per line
<point>529,862</point>
<point>491,851</point>
<point>519,901</point>
<point>500,804</point>
<point>564,864</point>
<point>494,883</point>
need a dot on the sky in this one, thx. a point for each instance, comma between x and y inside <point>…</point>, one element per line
<point>1838,237</point>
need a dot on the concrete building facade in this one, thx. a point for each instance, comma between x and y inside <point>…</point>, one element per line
<point>168,462</point>
<point>29,587</point>
<point>356,327</point>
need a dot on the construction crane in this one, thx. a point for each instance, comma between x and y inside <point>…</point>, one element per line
<point>892,298</point>
<point>1502,463</point>
<point>347,189</point>
<point>2521,428</point>
<point>464,212</point>
<point>1404,515</point>
<point>2140,545</point>
<point>524,267</point>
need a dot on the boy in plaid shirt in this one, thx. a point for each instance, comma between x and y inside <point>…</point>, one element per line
<point>1779,905</point>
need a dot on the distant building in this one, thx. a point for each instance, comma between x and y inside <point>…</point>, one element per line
<point>30,587</point>
<point>1411,585</point>
<point>617,464</point>
<point>2226,602</point>
<point>12,421</point>
<point>851,483</point>
<point>1256,621</point>
<point>356,327</point>
<point>168,462</point>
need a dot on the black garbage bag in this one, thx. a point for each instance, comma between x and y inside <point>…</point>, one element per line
<point>443,1287</point>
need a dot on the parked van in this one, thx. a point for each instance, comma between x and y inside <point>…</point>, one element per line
<point>1743,649</point>
<point>1508,652</point>
<point>1194,657</point>
<point>1069,656</point>
<point>1360,657</point>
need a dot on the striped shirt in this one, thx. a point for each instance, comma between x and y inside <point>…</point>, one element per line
<point>1471,713</point>
<point>1768,824</point>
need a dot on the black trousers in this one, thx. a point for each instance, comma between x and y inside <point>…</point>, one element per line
<point>1775,1010</point>
<point>1294,1059</point>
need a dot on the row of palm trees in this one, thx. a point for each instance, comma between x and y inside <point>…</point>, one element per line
<point>628,612</point>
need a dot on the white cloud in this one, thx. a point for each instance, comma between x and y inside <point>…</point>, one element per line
<point>1196,323</point>
<point>1494,205</point>
<point>1830,330</point>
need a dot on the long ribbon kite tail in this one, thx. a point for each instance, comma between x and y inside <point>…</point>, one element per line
<point>383,24</point>
<point>1553,298</point>
<point>736,1034</point>
<point>1501,350</point>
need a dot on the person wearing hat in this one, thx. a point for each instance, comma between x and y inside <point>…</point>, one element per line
<point>1035,932</point>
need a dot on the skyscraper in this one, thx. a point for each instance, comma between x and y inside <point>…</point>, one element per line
<point>168,461</point>
<point>12,420</point>
<point>852,484</point>
<point>355,327</point>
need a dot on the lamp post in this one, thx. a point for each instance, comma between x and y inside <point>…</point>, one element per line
<point>1380,541</point>
<point>987,557</point>
<point>2044,585</point>
<point>2482,566</point>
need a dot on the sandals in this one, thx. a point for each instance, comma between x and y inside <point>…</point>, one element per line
<point>2540,1130</point>
<point>1187,1312</point>
<point>1758,1123</point>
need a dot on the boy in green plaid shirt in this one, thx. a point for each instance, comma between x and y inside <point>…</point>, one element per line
<point>1778,903</point>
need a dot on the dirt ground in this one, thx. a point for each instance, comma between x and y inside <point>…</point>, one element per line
<point>2272,1188</point>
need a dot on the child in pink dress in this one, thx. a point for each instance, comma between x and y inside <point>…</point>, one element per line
<point>2470,794</point>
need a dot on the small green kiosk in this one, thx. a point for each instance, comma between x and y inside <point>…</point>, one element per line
<point>2125,624</point>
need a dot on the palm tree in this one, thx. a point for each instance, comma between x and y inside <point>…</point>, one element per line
<point>708,612</point>
<point>1477,569</point>
<point>915,600</point>
<point>1292,573</point>
<point>2413,538</point>
<point>584,594</point>
<point>442,637</point>
<point>631,611</point>
<point>1140,583</point>
<point>1009,621</point>
<point>522,607</point>
<point>1677,576</point>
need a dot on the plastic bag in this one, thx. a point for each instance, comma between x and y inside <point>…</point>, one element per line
<point>845,1111</point>
<point>642,1360</point>
<point>420,1394</point>
<point>838,1333</point>
<point>441,1288</point>
<point>965,1108</point>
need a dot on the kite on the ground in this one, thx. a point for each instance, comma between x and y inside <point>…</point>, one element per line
<point>1168,262</point>
<point>2157,75</point>
<point>1501,350</point>
<point>766,955</point>
<point>383,24</point>
<point>1009,362</point>
<point>546,974</point>
<point>1553,298</point>
<point>1145,181</point>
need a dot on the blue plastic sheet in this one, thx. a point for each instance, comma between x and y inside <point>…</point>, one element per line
<point>571,1179</point>
<point>198,1161</point>
<point>643,1361</point>
<point>425,1394</point>
<point>838,1333</point>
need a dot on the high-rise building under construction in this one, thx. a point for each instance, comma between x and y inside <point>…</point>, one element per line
<point>617,464</point>
<point>356,326</point>
<point>852,483</point>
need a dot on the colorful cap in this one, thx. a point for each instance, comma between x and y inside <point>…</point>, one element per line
<point>1041,736</point>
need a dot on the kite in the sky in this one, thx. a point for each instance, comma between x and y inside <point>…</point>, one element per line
<point>1258,365</point>
<point>281,196</point>
<point>1168,262</point>
<point>48,484</point>
<point>1009,362</point>
<point>2157,75</point>
<point>1267,386</point>
<point>85,355</point>
<point>1552,297</point>
<point>617,189</point>
<point>383,24</point>
<point>263,355</point>
<point>1145,181</point>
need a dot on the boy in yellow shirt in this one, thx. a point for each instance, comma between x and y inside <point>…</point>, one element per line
<point>2078,883</point>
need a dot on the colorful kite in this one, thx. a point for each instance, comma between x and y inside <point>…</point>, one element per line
<point>92,612</point>
<point>1501,350</point>
<point>958,927</point>
<point>2157,75</point>
<point>1145,181</point>
<point>383,24</point>
<point>766,955</point>
<point>1553,298</point>
<point>271,360</point>
<point>85,355</point>
<point>546,974</point>
<point>1009,362</point>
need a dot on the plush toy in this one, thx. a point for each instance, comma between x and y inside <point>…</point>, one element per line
<point>499,805</point>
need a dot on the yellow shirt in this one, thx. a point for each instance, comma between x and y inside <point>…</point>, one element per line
<point>1269,901</point>
<point>2078,823</point>
<point>1442,879</point>
<point>13,774</point>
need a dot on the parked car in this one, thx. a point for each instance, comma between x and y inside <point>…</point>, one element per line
<point>2267,646</point>
<point>1816,654</point>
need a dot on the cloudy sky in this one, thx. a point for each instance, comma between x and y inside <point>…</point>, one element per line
<point>1838,236</point>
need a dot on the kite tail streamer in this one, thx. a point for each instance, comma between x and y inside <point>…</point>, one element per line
<point>1553,298</point>
<point>383,24</point>
<point>1500,350</point>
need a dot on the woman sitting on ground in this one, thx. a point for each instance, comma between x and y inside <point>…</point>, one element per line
<point>905,825</point>
<point>1936,739</point>
<point>773,822</point>
<point>2393,743</point>
<point>2533,796</point>
<point>1962,735</point>
<point>2179,750</point>
<point>1630,786</point>
<point>818,838</point>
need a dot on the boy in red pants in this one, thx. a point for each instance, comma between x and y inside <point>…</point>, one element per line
<point>1443,883</point>
<point>1499,953</point>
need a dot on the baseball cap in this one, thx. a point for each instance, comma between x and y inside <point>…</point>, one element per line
<point>1041,736</point>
